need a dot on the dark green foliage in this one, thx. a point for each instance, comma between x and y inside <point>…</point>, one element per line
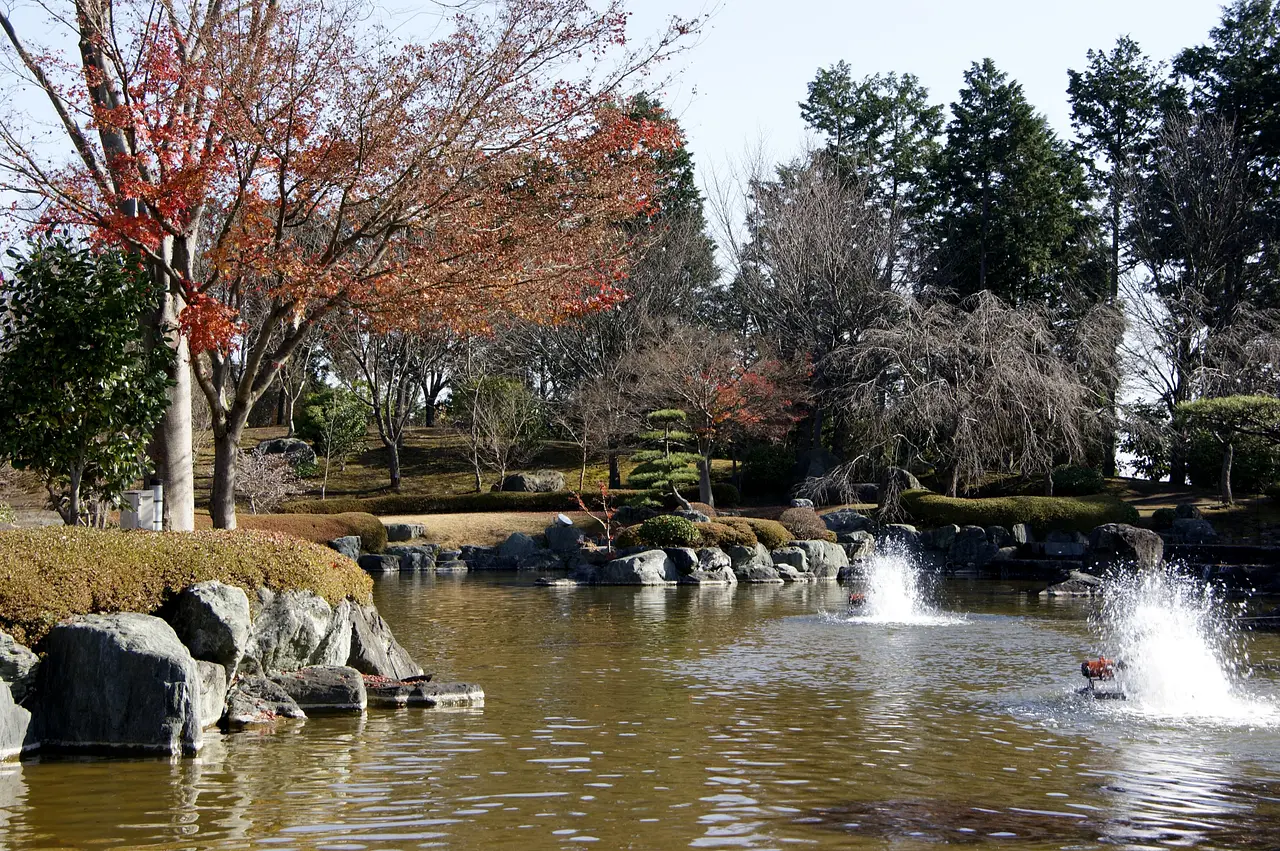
<point>1077,481</point>
<point>80,389</point>
<point>1255,463</point>
<point>804,524</point>
<point>767,470</point>
<point>1043,513</point>
<point>665,465</point>
<point>1146,436</point>
<point>668,530</point>
<point>627,538</point>
<point>726,533</point>
<point>397,504</point>
<point>334,421</point>
<point>771,533</point>
<point>1162,519</point>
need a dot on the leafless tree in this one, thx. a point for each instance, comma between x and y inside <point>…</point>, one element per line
<point>266,480</point>
<point>498,416</point>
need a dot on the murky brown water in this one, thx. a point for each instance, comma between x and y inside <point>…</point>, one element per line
<point>705,718</point>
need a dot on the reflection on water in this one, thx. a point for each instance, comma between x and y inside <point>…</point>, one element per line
<point>696,717</point>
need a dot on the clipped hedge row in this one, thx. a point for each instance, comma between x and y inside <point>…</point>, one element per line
<point>1042,513</point>
<point>318,528</point>
<point>52,573</point>
<point>393,504</point>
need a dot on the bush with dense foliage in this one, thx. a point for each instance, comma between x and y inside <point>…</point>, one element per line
<point>1255,463</point>
<point>335,422</point>
<point>771,533</point>
<point>50,574</point>
<point>463,503</point>
<point>1077,481</point>
<point>1162,519</point>
<point>668,530</point>
<point>804,524</point>
<point>767,470</point>
<point>627,538</point>
<point>725,533</point>
<point>1042,513</point>
<point>316,528</point>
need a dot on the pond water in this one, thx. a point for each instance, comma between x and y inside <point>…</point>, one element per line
<point>757,717</point>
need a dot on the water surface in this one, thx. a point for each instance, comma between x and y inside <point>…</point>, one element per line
<point>759,717</point>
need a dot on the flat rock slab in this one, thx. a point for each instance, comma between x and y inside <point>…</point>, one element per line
<point>557,582</point>
<point>392,693</point>
<point>325,688</point>
<point>256,701</point>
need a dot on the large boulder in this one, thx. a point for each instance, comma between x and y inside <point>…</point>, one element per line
<point>1077,584</point>
<point>517,547</point>
<point>348,545</point>
<point>825,559</point>
<point>791,555</point>
<point>1022,534</point>
<point>563,539</point>
<point>858,546</point>
<point>374,650</point>
<point>297,629</point>
<point>424,693</point>
<point>972,548</point>
<point>397,532</point>
<point>18,665</point>
<point>255,700</point>
<point>940,538</point>
<point>1192,530</point>
<point>120,682</point>
<point>1001,537</point>
<point>213,692</point>
<point>15,726</point>
<point>213,620</point>
<point>684,559</point>
<point>904,479</point>
<point>713,558</point>
<point>847,520</point>
<point>379,564</point>
<point>1120,542</point>
<point>414,558</point>
<point>651,567</point>
<point>539,481</point>
<point>902,535</point>
<point>325,689</point>
<point>298,452</point>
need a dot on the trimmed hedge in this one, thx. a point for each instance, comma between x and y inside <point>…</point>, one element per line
<point>668,530</point>
<point>320,528</point>
<point>455,503</point>
<point>728,532</point>
<point>771,533</point>
<point>804,524</point>
<point>50,574</point>
<point>1042,513</point>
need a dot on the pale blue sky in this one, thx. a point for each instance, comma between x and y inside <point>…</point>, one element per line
<point>741,84</point>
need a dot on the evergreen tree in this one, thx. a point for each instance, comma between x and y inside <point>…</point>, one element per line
<point>1011,202</point>
<point>666,464</point>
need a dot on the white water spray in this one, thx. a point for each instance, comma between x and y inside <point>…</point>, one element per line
<point>1179,657</point>
<point>894,594</point>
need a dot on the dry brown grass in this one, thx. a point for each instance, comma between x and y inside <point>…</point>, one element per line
<point>453,530</point>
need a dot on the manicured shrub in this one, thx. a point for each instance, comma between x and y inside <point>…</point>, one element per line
<point>668,530</point>
<point>1162,518</point>
<point>50,574</point>
<point>725,534</point>
<point>1043,513</point>
<point>767,470</point>
<point>454,503</point>
<point>317,528</point>
<point>627,538</point>
<point>771,533</point>
<point>1077,481</point>
<point>804,524</point>
<point>1255,463</point>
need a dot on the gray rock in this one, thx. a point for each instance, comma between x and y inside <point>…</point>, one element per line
<point>414,558</point>
<point>480,557</point>
<point>299,452</point>
<point>557,582</point>
<point>941,538</point>
<point>714,558</point>
<point>789,573</point>
<point>517,547</point>
<point>18,665</point>
<point>1193,530</point>
<point>791,555</point>
<point>325,689</point>
<point>255,700</point>
<point>15,726</point>
<point>971,547</point>
<point>718,576</point>
<point>801,503</point>
<point>757,556</point>
<point>1123,543</point>
<point>540,481</point>
<point>295,629</point>
<point>448,567</point>
<point>651,567</point>
<point>563,539</point>
<point>1076,584</point>
<point>348,545</point>
<point>213,692</point>
<point>692,515</point>
<point>374,650</point>
<point>428,694</point>
<point>904,479</point>
<point>121,682</point>
<point>584,572</point>
<point>847,520</point>
<point>824,558</point>
<point>379,563</point>
<point>1022,534</point>
<point>405,531</point>
<point>212,619</point>
<point>902,535</point>
<point>758,574</point>
<point>1000,536</point>
<point>1187,511</point>
<point>1005,554</point>
<point>858,546</point>
<point>684,559</point>
<point>541,560</point>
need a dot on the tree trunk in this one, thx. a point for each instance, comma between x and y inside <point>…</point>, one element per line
<point>1224,480</point>
<point>704,481</point>
<point>615,474</point>
<point>1178,467</point>
<point>429,415</point>
<point>222,500</point>
<point>170,447</point>
<point>288,413</point>
<point>953,483</point>
<point>1048,482</point>
<point>475,466</point>
<point>393,461</point>
<point>72,517</point>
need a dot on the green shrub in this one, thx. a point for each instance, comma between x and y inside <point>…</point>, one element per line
<point>52,573</point>
<point>452,503</point>
<point>767,470</point>
<point>726,534</point>
<point>1162,518</point>
<point>771,533</point>
<point>1077,481</point>
<point>1255,464</point>
<point>627,538</point>
<point>668,530</point>
<point>804,524</point>
<point>1042,513</point>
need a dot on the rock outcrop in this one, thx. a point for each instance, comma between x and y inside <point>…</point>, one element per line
<point>373,649</point>
<point>296,629</point>
<point>1119,542</point>
<point>325,689</point>
<point>651,567</point>
<point>18,666</point>
<point>212,619</point>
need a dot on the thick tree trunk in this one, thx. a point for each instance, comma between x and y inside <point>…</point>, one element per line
<point>704,481</point>
<point>615,474</point>
<point>1224,480</point>
<point>953,482</point>
<point>1048,483</point>
<point>393,462</point>
<point>72,517</point>
<point>170,448</point>
<point>222,500</point>
<point>429,415</point>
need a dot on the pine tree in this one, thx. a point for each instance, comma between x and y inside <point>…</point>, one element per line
<point>666,464</point>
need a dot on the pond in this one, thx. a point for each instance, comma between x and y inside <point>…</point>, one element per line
<point>756,717</point>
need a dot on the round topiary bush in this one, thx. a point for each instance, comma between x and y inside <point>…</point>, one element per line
<point>667,530</point>
<point>1077,481</point>
<point>627,538</point>
<point>726,534</point>
<point>805,525</point>
<point>771,533</point>
<point>1162,519</point>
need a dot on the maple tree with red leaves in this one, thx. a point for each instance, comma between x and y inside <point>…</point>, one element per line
<point>726,395</point>
<point>273,162</point>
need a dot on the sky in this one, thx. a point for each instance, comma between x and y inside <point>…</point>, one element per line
<point>738,89</point>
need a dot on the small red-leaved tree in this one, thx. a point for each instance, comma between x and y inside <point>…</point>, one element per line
<point>726,394</point>
<point>276,160</point>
